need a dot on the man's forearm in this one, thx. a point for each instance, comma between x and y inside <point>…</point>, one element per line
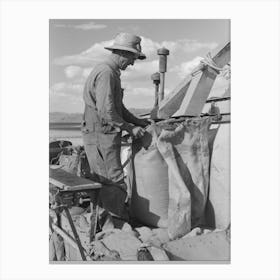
<point>129,117</point>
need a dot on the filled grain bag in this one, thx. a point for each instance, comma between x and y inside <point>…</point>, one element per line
<point>171,176</point>
<point>179,204</point>
<point>149,201</point>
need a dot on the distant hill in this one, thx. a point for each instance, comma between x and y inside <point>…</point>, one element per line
<point>60,117</point>
<point>138,112</point>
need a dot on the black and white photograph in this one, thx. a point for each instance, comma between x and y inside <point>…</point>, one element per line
<point>139,150</point>
<point>139,139</point>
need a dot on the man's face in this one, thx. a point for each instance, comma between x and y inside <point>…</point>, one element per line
<point>127,58</point>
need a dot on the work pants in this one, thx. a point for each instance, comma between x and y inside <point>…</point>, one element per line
<point>103,154</point>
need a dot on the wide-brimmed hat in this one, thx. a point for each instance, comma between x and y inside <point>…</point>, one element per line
<point>127,42</point>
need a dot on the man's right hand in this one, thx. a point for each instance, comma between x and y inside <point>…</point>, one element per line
<point>137,132</point>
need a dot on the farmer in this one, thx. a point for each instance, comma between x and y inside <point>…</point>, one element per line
<point>105,117</point>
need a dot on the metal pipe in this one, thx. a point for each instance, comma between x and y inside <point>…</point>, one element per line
<point>156,95</point>
<point>161,91</point>
<point>163,53</point>
<point>156,80</point>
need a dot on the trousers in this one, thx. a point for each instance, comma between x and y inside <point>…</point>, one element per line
<point>104,158</point>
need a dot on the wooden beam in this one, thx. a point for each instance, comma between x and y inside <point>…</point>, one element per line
<point>197,93</point>
<point>70,182</point>
<point>172,102</point>
<point>189,96</point>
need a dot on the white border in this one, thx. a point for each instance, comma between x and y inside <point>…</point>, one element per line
<point>255,138</point>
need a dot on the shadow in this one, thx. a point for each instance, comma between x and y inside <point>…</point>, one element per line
<point>138,203</point>
<point>174,137</point>
<point>197,198</point>
<point>212,133</point>
<point>145,208</point>
<point>173,257</point>
<point>209,215</point>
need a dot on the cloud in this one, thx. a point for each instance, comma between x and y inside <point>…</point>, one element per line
<point>66,89</point>
<point>86,72</point>
<point>77,73</point>
<point>86,26</point>
<point>187,67</point>
<point>141,91</point>
<point>140,70</point>
<point>88,57</point>
<point>73,71</point>
<point>150,47</point>
<point>189,46</point>
<point>90,26</point>
<point>66,97</point>
<point>97,52</point>
<point>138,97</point>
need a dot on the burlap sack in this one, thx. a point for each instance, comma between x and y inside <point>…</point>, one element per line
<point>171,171</point>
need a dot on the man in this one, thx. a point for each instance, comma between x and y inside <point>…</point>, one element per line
<point>105,117</point>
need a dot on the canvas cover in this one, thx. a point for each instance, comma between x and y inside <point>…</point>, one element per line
<point>218,206</point>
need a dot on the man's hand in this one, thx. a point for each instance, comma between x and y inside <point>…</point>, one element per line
<point>137,132</point>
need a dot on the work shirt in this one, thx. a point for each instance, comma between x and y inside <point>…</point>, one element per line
<point>103,98</point>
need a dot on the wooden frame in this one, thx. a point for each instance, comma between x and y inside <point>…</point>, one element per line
<point>189,97</point>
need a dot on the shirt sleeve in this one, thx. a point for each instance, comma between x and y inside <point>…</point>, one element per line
<point>106,103</point>
<point>129,117</point>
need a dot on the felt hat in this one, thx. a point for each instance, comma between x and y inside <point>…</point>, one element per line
<point>127,42</point>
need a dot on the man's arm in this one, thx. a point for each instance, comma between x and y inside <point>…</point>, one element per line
<point>105,103</point>
<point>129,117</point>
<point>106,107</point>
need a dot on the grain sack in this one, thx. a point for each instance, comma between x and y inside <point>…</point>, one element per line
<point>149,201</point>
<point>192,156</point>
<point>171,176</point>
<point>218,208</point>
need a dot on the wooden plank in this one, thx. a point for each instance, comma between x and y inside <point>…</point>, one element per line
<point>197,93</point>
<point>213,246</point>
<point>220,99</point>
<point>74,231</point>
<point>192,92</point>
<point>67,181</point>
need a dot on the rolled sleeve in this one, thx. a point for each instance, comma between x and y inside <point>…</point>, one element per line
<point>129,117</point>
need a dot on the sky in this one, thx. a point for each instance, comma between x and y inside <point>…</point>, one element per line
<point>75,46</point>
